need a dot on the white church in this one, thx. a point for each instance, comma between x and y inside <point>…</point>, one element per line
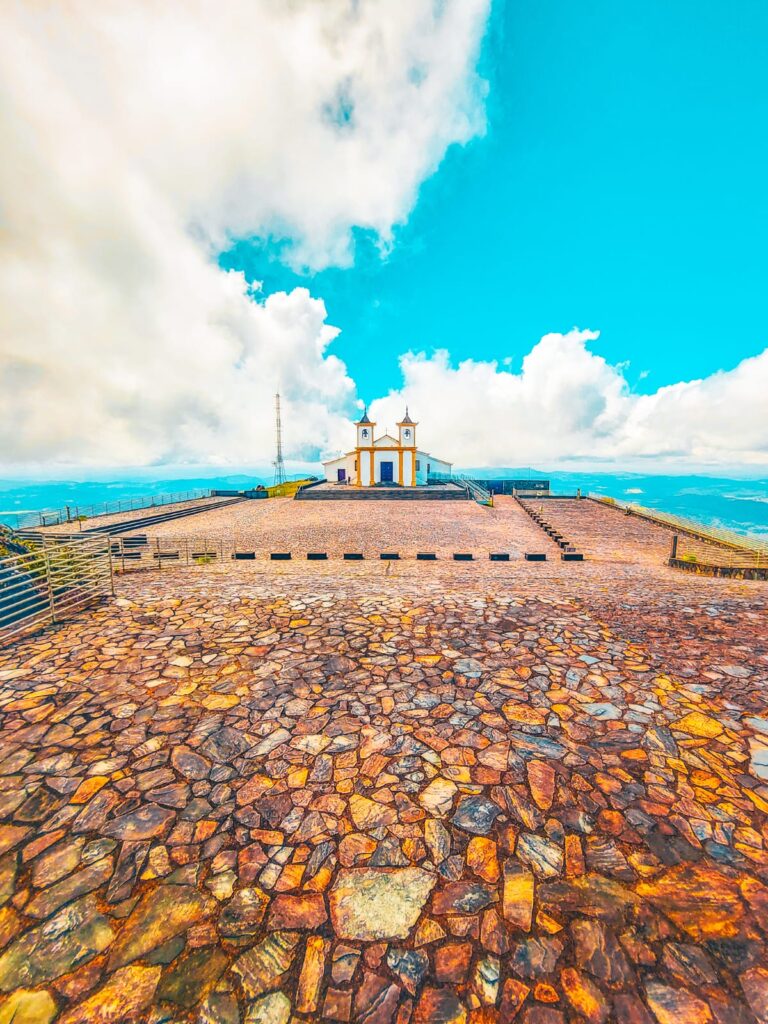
<point>385,459</point>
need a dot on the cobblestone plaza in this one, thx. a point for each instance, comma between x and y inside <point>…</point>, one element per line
<point>271,793</point>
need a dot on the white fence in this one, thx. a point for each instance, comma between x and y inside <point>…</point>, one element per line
<point>52,583</point>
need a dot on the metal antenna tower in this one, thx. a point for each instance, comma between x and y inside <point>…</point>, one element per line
<point>279,464</point>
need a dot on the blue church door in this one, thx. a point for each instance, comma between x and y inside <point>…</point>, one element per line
<point>387,472</point>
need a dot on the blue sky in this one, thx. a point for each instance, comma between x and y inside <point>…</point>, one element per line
<point>539,224</point>
<point>620,187</point>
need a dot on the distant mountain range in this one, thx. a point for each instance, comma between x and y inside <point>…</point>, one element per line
<point>740,505</point>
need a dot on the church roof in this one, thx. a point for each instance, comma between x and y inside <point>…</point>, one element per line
<point>407,419</point>
<point>364,418</point>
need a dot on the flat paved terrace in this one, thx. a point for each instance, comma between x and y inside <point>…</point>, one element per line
<point>390,793</point>
<point>283,524</point>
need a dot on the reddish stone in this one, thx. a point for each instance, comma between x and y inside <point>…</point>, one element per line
<point>337,1005</point>
<point>541,781</point>
<point>630,1010</point>
<point>376,1000</point>
<point>542,1015</point>
<point>250,861</point>
<point>452,962</point>
<point>297,913</point>
<point>439,1006</point>
<point>493,934</point>
<point>463,897</point>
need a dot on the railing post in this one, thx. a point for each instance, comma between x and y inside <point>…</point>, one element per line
<point>49,583</point>
<point>111,567</point>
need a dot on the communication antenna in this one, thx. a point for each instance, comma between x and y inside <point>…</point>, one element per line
<point>279,464</point>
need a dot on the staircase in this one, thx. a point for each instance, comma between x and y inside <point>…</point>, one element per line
<point>475,488</point>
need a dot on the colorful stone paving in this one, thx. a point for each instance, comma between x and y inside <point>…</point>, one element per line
<point>409,793</point>
<point>362,526</point>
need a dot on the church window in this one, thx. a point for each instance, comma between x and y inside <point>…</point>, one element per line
<point>406,433</point>
<point>365,433</point>
<point>418,465</point>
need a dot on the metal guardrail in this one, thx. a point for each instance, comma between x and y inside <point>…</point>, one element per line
<point>52,582</point>
<point>479,493</point>
<point>72,513</point>
<point>698,552</point>
<point>737,545</point>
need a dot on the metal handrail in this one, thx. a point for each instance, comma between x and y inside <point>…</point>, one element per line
<point>480,494</point>
<point>72,513</point>
<point>743,543</point>
<point>52,582</point>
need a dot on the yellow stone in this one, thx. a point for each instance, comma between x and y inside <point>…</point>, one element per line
<point>428,931</point>
<point>547,923</point>
<point>297,623</point>
<point>123,997</point>
<point>311,977</point>
<point>482,859</point>
<point>697,724</point>
<point>297,778</point>
<point>25,1007</point>
<point>87,789</point>
<point>517,895</point>
<point>220,701</point>
<point>523,713</point>
<point>584,996</point>
<point>370,814</point>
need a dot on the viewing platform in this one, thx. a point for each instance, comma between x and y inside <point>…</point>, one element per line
<point>326,491</point>
<point>321,759</point>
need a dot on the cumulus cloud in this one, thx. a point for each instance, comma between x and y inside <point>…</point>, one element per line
<point>138,140</point>
<point>569,404</point>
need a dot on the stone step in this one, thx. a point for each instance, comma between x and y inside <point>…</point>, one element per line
<point>384,494</point>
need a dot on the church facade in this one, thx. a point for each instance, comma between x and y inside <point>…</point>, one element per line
<point>385,459</point>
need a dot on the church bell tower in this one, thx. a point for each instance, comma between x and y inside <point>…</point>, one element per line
<point>407,453</point>
<point>365,431</point>
<point>364,456</point>
<point>407,431</point>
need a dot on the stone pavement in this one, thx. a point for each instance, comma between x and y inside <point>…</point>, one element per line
<point>368,527</point>
<point>390,794</point>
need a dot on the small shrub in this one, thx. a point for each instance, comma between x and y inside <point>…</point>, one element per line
<point>689,558</point>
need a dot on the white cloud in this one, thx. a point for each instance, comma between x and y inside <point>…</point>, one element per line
<point>568,404</point>
<point>137,139</point>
